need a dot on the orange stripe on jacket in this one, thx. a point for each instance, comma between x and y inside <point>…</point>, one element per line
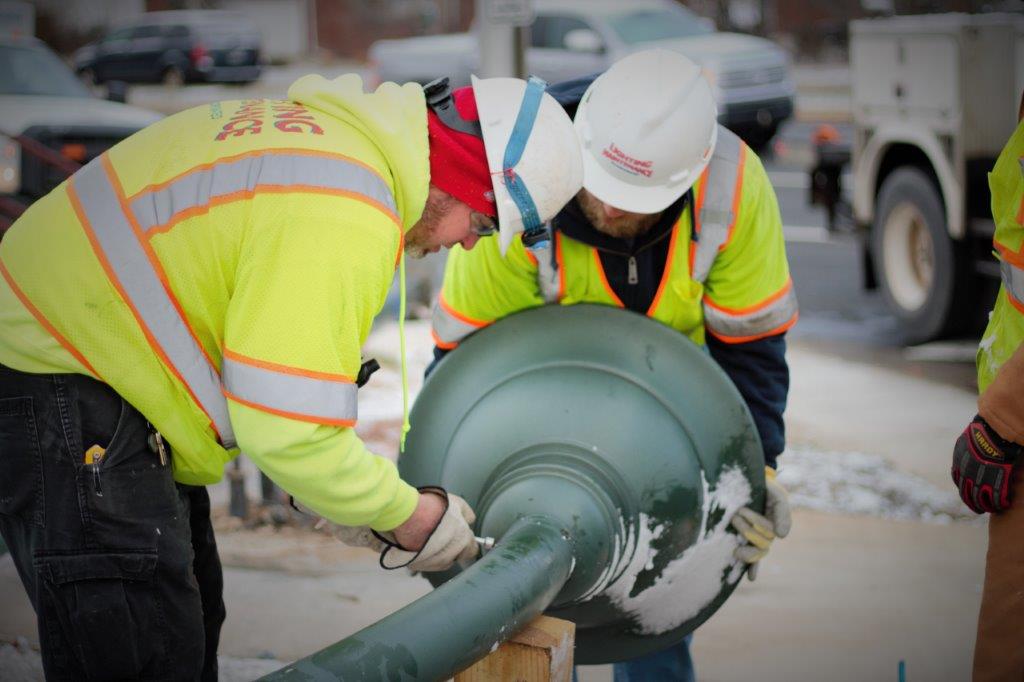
<point>443,345</point>
<point>757,306</point>
<point>755,337</point>
<point>41,319</point>
<point>604,279</point>
<point>287,369</point>
<point>1015,258</point>
<point>287,151</point>
<point>291,415</point>
<point>459,316</point>
<point>667,273</point>
<point>698,205</point>
<point>736,196</point>
<point>1019,305</point>
<point>244,194</point>
<point>76,203</point>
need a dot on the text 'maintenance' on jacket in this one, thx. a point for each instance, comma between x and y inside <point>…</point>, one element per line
<point>221,269</point>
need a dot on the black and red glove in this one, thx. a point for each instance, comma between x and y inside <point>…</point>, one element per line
<point>982,467</point>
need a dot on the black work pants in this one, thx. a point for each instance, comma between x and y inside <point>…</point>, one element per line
<point>119,562</point>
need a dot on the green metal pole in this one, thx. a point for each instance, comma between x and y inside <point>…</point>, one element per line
<point>458,623</point>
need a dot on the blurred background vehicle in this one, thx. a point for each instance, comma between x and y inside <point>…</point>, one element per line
<point>175,47</point>
<point>934,100</point>
<point>572,38</point>
<point>51,123</point>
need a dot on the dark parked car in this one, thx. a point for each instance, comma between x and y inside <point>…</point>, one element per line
<point>174,48</point>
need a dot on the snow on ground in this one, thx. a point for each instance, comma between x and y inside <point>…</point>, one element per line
<point>864,484</point>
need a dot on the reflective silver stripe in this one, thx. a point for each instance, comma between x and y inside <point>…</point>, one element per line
<point>320,400</point>
<point>716,215</point>
<point>1013,280</point>
<point>145,293</point>
<point>757,323</point>
<point>547,271</point>
<point>200,187</point>
<point>449,329</point>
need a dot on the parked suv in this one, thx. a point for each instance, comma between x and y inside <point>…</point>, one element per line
<point>175,47</point>
<point>571,38</point>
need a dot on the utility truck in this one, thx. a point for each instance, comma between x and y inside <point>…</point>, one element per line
<point>934,100</point>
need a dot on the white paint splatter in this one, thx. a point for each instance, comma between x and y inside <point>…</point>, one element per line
<point>691,581</point>
<point>560,655</point>
<point>985,346</point>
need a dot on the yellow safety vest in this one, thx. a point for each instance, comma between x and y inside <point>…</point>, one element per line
<point>729,276</point>
<point>226,263</point>
<point>1005,330</point>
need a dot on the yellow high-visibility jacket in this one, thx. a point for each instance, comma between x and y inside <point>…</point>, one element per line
<point>726,271</point>
<point>1005,330</point>
<point>220,270</point>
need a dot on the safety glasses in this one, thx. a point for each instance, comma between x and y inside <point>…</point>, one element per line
<point>482,224</point>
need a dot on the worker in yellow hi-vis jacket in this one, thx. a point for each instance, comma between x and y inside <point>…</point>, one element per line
<point>988,458</point>
<point>676,221</point>
<point>204,287</point>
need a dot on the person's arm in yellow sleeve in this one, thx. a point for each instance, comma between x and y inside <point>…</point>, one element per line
<point>749,305</point>
<point>480,287</point>
<point>310,279</point>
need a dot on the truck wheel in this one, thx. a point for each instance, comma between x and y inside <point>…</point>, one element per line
<point>920,270</point>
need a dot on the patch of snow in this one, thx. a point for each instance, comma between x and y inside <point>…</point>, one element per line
<point>864,484</point>
<point>693,580</point>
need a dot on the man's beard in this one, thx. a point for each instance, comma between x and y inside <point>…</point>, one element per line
<point>420,237</point>
<point>624,227</point>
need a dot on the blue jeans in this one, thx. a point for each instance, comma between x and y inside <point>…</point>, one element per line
<point>673,663</point>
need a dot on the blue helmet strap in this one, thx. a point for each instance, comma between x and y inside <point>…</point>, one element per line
<point>514,152</point>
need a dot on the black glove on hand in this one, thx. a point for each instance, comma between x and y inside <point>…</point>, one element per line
<point>982,467</point>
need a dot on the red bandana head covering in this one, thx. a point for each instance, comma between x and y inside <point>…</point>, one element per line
<point>458,161</point>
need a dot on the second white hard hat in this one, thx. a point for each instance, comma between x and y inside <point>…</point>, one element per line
<point>647,129</point>
<point>532,153</point>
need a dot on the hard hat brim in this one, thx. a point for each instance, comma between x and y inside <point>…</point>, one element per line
<point>628,197</point>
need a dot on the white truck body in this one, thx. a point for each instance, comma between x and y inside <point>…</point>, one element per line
<point>948,84</point>
<point>935,98</point>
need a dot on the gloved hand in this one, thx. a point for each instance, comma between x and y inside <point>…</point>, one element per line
<point>451,540</point>
<point>982,466</point>
<point>759,531</point>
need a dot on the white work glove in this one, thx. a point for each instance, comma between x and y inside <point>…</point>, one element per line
<point>759,531</point>
<point>452,539</point>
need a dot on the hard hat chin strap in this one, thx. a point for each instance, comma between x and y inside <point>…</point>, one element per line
<point>438,94</point>
<point>532,225</point>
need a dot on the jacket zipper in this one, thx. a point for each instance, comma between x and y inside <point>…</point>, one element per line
<point>632,276</point>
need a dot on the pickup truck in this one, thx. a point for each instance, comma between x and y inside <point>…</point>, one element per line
<point>934,100</point>
<point>751,76</point>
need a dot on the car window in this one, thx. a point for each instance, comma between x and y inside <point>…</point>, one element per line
<point>550,30</point>
<point>28,70</point>
<point>120,34</point>
<point>643,26</point>
<point>175,31</point>
<point>146,32</point>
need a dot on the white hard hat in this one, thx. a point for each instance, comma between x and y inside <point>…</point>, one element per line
<point>647,128</point>
<point>532,153</point>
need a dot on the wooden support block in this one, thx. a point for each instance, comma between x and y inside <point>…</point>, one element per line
<point>540,652</point>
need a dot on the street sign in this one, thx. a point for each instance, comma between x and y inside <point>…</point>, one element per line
<point>509,12</point>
